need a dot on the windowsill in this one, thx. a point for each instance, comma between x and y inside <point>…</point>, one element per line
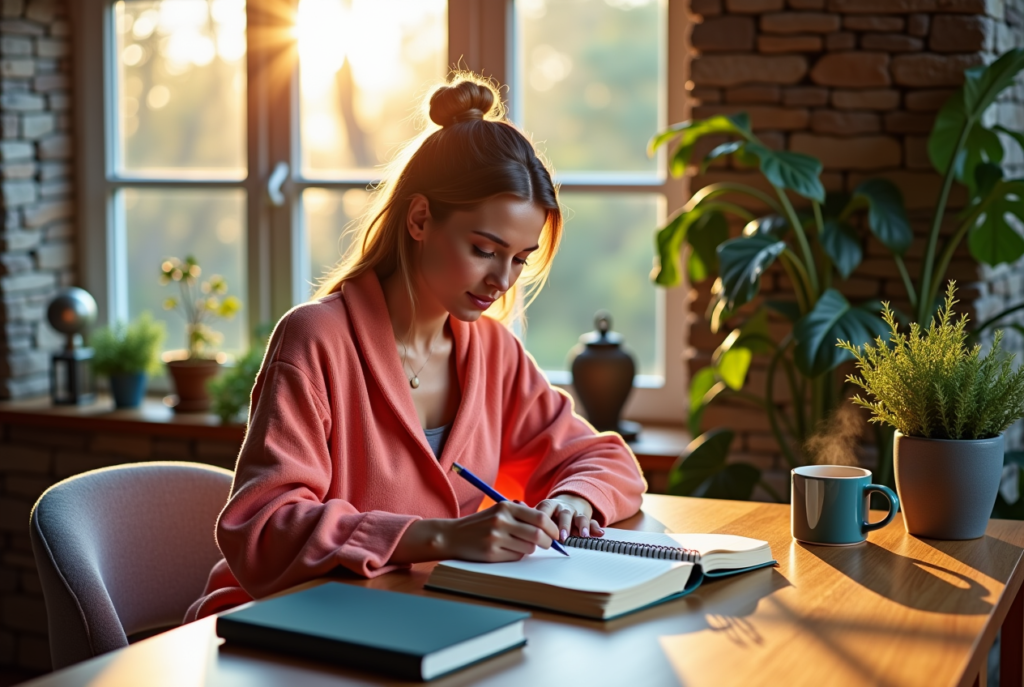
<point>152,417</point>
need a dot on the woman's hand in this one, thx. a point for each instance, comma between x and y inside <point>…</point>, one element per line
<point>506,531</point>
<point>572,515</point>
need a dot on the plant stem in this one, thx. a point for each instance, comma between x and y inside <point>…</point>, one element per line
<point>924,287</point>
<point>770,405</point>
<point>954,241</point>
<point>801,239</point>
<point>797,396</point>
<point>907,282</point>
<point>801,280</point>
<point>718,189</point>
<point>992,320</point>
<point>771,492</point>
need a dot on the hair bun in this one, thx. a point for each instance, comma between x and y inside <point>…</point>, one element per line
<point>462,101</point>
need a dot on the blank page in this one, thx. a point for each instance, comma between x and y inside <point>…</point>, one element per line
<point>704,543</point>
<point>583,570</point>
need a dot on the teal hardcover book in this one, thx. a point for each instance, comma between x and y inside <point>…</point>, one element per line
<point>407,636</point>
<point>605,577</point>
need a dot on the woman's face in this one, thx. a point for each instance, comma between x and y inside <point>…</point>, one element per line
<point>470,259</point>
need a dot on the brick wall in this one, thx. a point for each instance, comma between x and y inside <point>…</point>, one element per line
<point>32,459</point>
<point>855,83</point>
<point>37,240</point>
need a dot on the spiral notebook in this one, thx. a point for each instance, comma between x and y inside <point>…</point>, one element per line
<point>605,577</point>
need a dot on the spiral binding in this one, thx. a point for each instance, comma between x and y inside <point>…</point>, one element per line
<point>665,553</point>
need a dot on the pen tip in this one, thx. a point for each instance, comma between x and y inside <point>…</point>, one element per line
<point>457,468</point>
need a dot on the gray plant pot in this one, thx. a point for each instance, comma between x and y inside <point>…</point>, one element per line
<point>947,488</point>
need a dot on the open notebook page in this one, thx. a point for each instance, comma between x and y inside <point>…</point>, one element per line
<point>718,551</point>
<point>583,570</point>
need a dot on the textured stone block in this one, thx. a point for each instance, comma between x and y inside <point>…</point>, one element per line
<point>59,230</point>
<point>15,46</point>
<point>172,449</point>
<point>12,8</point>
<point>800,22</point>
<point>35,126</point>
<point>10,126</point>
<point>753,94</point>
<point>27,282</point>
<point>21,28</point>
<point>706,8</point>
<point>858,152</point>
<point>52,47</point>
<point>762,117</point>
<point>22,102</point>
<point>724,34</point>
<point>138,446</point>
<point>54,170</point>
<point>43,213</point>
<point>24,387</point>
<point>909,122</point>
<point>928,100</point>
<point>918,25</point>
<point>956,33</point>
<point>56,147</point>
<point>55,256</point>
<point>806,4</point>
<point>845,123</point>
<point>920,189</point>
<point>735,70</point>
<point>59,101</point>
<point>24,363</point>
<point>907,6</point>
<point>42,11</point>
<point>19,240</point>
<point>845,40</point>
<point>216,450</point>
<point>891,42</point>
<point>45,83</point>
<point>17,68</point>
<point>61,188</point>
<point>753,6</point>
<point>788,44</point>
<point>929,71</point>
<point>873,22</point>
<point>869,99</point>
<point>805,96</point>
<point>60,28</point>
<point>852,70</point>
<point>915,150</point>
<point>15,150</point>
<point>15,263</point>
<point>18,192</point>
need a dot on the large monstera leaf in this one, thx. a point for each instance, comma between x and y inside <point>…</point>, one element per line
<point>703,471</point>
<point>704,237</point>
<point>741,262</point>
<point>689,133</point>
<point>992,240</point>
<point>887,216</point>
<point>794,171</point>
<point>842,245</point>
<point>833,319</point>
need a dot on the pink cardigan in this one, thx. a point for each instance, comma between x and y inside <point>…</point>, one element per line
<point>335,465</point>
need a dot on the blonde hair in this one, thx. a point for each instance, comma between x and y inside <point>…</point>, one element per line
<point>476,154</point>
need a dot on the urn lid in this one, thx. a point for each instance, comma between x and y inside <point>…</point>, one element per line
<point>602,336</point>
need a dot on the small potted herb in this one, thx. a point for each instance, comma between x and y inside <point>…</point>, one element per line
<point>199,303</point>
<point>950,406</point>
<point>127,354</point>
<point>231,391</point>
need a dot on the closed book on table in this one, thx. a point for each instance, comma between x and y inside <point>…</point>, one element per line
<point>407,636</point>
<point>607,576</point>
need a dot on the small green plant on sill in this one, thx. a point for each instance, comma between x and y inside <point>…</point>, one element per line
<point>128,349</point>
<point>199,302</point>
<point>231,390</point>
<point>934,386</point>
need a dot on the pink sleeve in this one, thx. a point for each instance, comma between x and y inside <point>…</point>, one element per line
<point>279,527</point>
<point>553,451</point>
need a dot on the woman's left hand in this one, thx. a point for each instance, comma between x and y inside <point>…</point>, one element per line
<point>572,515</point>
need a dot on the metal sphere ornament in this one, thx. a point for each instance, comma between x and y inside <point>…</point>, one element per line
<point>72,312</point>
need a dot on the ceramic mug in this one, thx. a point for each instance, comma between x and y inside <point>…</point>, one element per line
<point>830,504</point>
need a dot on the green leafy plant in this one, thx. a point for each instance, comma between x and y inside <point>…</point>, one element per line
<point>128,349</point>
<point>933,385</point>
<point>199,302</point>
<point>817,240</point>
<point>231,390</point>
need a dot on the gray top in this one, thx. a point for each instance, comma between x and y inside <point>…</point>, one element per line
<point>436,438</point>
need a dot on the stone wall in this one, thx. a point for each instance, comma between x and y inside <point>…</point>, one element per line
<point>37,240</point>
<point>33,458</point>
<point>857,84</point>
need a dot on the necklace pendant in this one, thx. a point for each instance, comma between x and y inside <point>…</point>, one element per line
<point>414,382</point>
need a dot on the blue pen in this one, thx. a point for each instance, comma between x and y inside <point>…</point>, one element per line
<point>490,491</point>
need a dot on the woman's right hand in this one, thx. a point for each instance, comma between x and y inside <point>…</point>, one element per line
<point>506,531</point>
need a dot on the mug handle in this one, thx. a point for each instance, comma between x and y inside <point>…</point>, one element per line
<point>894,505</point>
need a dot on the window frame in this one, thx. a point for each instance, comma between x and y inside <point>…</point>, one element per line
<point>480,38</point>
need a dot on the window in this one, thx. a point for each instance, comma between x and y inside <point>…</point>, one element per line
<point>246,132</point>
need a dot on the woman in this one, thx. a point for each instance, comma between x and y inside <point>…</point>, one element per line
<point>371,391</point>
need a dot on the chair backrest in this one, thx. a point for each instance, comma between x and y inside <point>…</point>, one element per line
<point>123,550</point>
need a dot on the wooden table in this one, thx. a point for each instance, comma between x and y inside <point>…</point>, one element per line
<point>896,611</point>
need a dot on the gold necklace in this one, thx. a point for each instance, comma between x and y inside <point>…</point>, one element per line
<point>415,381</point>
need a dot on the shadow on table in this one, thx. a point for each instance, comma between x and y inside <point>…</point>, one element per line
<point>989,555</point>
<point>907,581</point>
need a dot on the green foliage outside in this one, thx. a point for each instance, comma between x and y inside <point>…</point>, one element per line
<point>231,390</point>
<point>820,246</point>
<point>934,386</point>
<point>199,303</point>
<point>128,349</point>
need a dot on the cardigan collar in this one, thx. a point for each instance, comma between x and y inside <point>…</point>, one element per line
<point>364,300</point>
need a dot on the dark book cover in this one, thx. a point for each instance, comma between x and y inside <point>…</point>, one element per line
<point>403,635</point>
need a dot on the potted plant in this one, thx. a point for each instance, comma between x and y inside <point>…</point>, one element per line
<point>820,243</point>
<point>231,391</point>
<point>199,303</point>
<point>127,354</point>
<point>950,406</point>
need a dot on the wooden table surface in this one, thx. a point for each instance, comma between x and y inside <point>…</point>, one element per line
<point>895,610</point>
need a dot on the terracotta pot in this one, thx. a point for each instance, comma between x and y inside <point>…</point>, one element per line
<point>947,487</point>
<point>190,378</point>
